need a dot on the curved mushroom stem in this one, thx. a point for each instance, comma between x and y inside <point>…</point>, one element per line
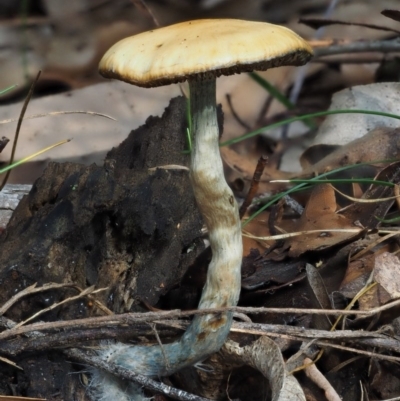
<point>214,199</point>
<point>207,333</point>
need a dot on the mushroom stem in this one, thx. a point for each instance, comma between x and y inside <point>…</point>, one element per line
<point>214,199</point>
<point>207,333</point>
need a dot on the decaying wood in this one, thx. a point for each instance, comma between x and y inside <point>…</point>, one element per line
<point>9,199</point>
<point>99,225</point>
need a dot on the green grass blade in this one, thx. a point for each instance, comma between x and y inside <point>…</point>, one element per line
<point>308,183</point>
<point>342,181</point>
<point>25,159</point>
<point>394,220</point>
<point>3,91</point>
<point>305,117</point>
<point>278,95</point>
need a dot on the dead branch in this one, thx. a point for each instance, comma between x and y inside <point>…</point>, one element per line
<point>318,378</point>
<point>381,46</point>
<point>137,318</point>
<point>63,334</point>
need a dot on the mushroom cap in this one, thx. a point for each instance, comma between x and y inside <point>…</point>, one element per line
<point>196,48</point>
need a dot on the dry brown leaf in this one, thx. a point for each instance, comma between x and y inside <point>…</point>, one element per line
<point>340,129</point>
<point>322,299</point>
<point>319,214</point>
<point>357,274</point>
<point>387,274</point>
<point>369,214</point>
<point>379,144</point>
<point>386,270</point>
<point>370,299</point>
<point>265,356</point>
<point>258,227</point>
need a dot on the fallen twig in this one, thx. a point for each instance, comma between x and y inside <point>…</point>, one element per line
<point>319,379</point>
<point>262,162</point>
<point>32,289</point>
<point>382,46</point>
<point>88,291</point>
<point>137,318</point>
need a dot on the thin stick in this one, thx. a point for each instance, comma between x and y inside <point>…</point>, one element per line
<point>381,46</point>
<point>32,289</point>
<point>141,5</point>
<point>58,113</point>
<point>317,23</point>
<point>154,329</point>
<point>302,71</point>
<point>318,378</point>
<point>87,291</point>
<point>137,318</point>
<point>235,114</point>
<point>17,131</point>
<point>361,352</point>
<point>262,162</point>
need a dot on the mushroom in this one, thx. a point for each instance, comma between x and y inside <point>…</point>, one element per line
<point>200,51</point>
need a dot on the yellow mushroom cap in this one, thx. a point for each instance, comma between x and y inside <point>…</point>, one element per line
<point>218,46</point>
